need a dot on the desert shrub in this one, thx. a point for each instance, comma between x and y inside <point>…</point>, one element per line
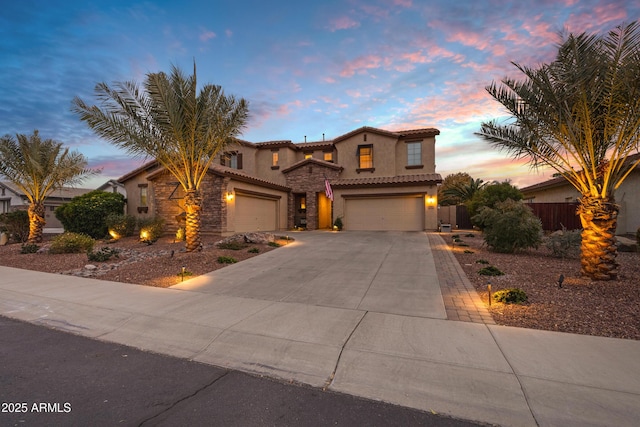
<point>104,254</point>
<point>181,234</point>
<point>71,243</point>
<point>482,261</point>
<point>227,260</point>
<point>510,296</point>
<point>254,251</point>
<point>564,243</point>
<point>510,227</point>
<point>29,248</point>
<point>490,271</point>
<point>87,214</point>
<point>467,251</point>
<point>274,244</point>
<point>121,225</point>
<point>16,225</point>
<point>151,229</point>
<point>234,246</point>
<point>470,235</point>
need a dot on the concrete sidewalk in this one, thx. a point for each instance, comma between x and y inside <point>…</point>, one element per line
<point>356,312</point>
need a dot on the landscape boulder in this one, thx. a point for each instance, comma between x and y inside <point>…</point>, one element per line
<point>626,245</point>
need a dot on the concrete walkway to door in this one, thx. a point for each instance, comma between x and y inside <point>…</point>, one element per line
<point>356,312</point>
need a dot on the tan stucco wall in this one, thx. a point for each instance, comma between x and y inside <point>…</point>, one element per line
<point>428,157</point>
<point>384,151</point>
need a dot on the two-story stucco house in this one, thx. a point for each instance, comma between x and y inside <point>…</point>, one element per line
<point>381,180</point>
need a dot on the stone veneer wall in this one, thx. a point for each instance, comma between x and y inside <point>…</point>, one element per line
<point>308,179</point>
<point>213,216</point>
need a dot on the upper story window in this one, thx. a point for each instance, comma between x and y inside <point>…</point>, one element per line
<point>365,156</point>
<point>274,158</point>
<point>328,156</point>
<point>308,155</point>
<point>231,159</point>
<point>414,153</point>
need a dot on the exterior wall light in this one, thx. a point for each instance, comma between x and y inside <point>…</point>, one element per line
<point>229,196</point>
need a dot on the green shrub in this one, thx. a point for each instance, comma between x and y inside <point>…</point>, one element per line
<point>510,227</point>
<point>489,196</point>
<point>234,246</point>
<point>470,235</point>
<point>482,261</point>
<point>87,214</point>
<point>467,251</point>
<point>564,243</point>
<point>120,225</point>
<point>181,234</point>
<point>510,296</point>
<point>227,260</point>
<point>71,243</point>
<point>104,254</point>
<point>16,225</point>
<point>151,229</point>
<point>490,271</point>
<point>29,248</point>
<point>338,223</point>
<point>274,244</point>
<point>254,251</point>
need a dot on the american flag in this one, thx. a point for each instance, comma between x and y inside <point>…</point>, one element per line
<point>327,189</point>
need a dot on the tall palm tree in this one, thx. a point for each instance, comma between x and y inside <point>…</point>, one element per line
<point>169,120</point>
<point>580,115</point>
<point>38,167</point>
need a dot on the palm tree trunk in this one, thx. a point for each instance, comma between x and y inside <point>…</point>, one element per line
<point>599,217</point>
<point>36,222</point>
<point>192,206</point>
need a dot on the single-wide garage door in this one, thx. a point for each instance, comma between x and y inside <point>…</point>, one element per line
<point>389,213</point>
<point>255,214</point>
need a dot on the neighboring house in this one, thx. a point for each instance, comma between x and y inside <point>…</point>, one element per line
<point>12,198</point>
<point>381,180</point>
<point>558,190</point>
<point>113,186</point>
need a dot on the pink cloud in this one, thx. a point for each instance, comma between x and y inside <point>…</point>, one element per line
<point>207,35</point>
<point>343,23</point>
<point>360,65</point>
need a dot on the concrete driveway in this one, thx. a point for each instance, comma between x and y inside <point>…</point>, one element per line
<point>390,273</point>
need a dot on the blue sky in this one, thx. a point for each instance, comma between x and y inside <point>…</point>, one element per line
<point>306,67</point>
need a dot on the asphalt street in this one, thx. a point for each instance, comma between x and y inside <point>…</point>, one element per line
<point>49,377</point>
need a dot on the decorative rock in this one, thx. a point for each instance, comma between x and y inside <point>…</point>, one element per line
<point>4,239</point>
<point>257,238</point>
<point>626,245</point>
<point>90,267</point>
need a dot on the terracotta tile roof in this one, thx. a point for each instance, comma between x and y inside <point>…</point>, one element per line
<point>274,144</point>
<point>420,179</point>
<point>314,161</point>
<point>418,132</point>
<point>314,144</point>
<point>240,175</point>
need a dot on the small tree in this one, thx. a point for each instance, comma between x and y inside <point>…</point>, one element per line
<point>38,167</point>
<point>510,227</point>
<point>492,194</point>
<point>87,214</point>
<point>16,225</point>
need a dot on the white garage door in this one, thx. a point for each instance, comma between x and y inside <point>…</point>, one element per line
<point>390,213</point>
<point>255,214</point>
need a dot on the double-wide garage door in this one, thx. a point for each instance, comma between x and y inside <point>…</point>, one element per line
<point>385,214</point>
<point>255,214</point>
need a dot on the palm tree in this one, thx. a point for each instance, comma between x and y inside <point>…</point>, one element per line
<point>464,191</point>
<point>39,167</point>
<point>580,115</point>
<point>170,121</point>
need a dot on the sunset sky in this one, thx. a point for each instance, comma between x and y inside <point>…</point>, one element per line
<point>306,68</point>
